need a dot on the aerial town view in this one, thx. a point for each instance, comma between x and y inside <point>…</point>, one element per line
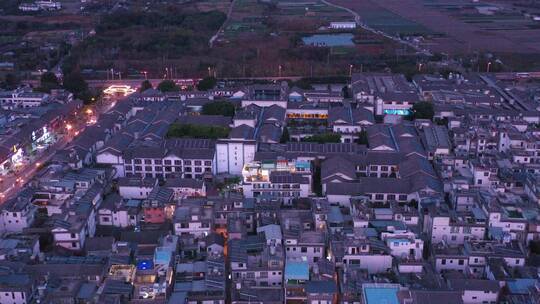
<point>270,151</point>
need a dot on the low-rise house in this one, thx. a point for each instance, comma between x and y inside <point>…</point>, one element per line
<point>185,187</point>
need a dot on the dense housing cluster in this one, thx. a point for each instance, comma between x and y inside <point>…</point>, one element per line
<point>330,194</point>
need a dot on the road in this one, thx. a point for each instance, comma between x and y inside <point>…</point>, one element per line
<point>135,83</point>
<point>12,184</point>
<point>359,22</point>
<point>222,27</point>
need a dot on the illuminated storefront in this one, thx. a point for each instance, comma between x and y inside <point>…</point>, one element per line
<point>17,157</point>
<point>401,112</point>
<point>41,139</point>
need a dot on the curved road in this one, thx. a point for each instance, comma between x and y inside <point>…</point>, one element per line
<point>358,21</point>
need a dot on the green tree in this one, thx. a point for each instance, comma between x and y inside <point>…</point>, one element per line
<point>48,82</point>
<point>177,130</point>
<point>345,92</point>
<point>224,108</point>
<point>363,138</point>
<point>206,84</point>
<point>168,86</point>
<point>324,138</point>
<point>10,82</point>
<point>302,83</point>
<point>423,110</point>
<point>285,137</point>
<point>145,85</point>
<point>75,83</point>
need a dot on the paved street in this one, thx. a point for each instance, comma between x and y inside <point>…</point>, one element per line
<point>12,184</point>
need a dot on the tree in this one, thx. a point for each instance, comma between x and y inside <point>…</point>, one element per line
<point>197,131</point>
<point>345,92</point>
<point>11,81</point>
<point>324,138</point>
<point>302,83</point>
<point>75,83</point>
<point>168,86</point>
<point>423,110</point>
<point>363,137</point>
<point>145,85</point>
<point>48,82</point>
<point>285,137</point>
<point>224,108</point>
<point>206,84</point>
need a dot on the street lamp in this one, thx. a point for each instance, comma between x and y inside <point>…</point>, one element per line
<point>420,67</point>
<point>279,67</point>
<point>209,72</point>
<point>350,70</point>
<point>488,65</point>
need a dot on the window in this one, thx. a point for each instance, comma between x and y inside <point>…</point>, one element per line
<point>303,249</point>
<point>461,262</point>
<point>197,163</point>
<point>138,161</point>
<point>178,162</point>
<point>443,261</point>
<point>73,244</point>
<point>147,161</point>
<point>157,162</point>
<point>391,196</point>
<point>167,162</point>
<point>207,163</point>
<point>403,197</point>
<point>73,235</point>
<point>379,196</point>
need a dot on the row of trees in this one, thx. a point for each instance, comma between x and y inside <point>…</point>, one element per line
<point>72,82</point>
<point>167,85</point>
<point>178,130</point>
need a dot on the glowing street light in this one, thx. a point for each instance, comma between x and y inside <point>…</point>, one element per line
<point>488,65</point>
<point>350,70</point>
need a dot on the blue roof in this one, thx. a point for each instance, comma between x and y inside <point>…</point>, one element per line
<point>296,271</point>
<point>401,240</point>
<point>381,295</point>
<point>520,286</point>
<point>133,203</point>
<point>335,216</point>
<point>162,256</point>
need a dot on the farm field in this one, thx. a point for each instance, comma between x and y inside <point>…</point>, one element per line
<point>450,27</point>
